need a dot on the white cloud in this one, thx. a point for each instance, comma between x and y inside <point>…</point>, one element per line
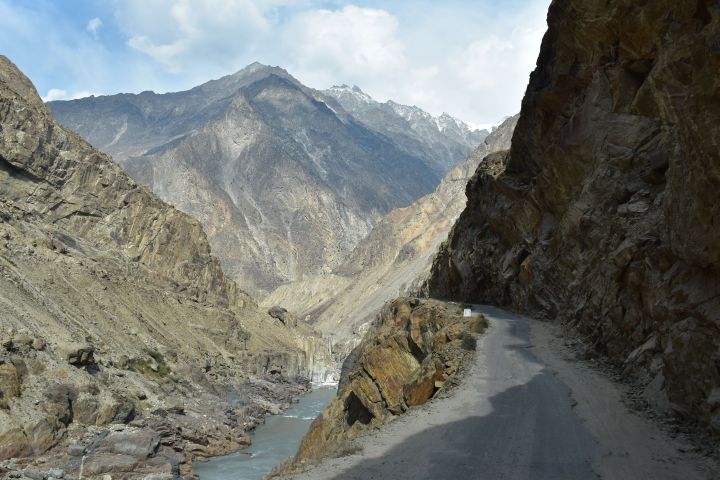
<point>352,41</point>
<point>471,59</point>
<point>60,94</point>
<point>93,26</point>
<point>183,33</point>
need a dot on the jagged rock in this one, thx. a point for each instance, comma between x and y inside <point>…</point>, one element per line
<point>387,373</point>
<point>88,258</point>
<point>283,315</point>
<point>604,213</point>
<point>13,442</point>
<point>77,354</point>
<point>44,433</point>
<point>223,151</point>
<point>140,444</point>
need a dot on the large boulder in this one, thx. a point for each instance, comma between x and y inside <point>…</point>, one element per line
<point>13,442</point>
<point>78,354</point>
<point>283,315</point>
<point>139,444</point>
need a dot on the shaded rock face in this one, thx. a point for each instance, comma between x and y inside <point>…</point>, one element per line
<point>112,310</point>
<point>604,215</point>
<point>393,259</point>
<point>284,180</point>
<point>412,351</point>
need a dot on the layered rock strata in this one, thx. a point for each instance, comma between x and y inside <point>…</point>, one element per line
<point>284,180</point>
<point>604,215</point>
<point>117,325</point>
<point>413,350</point>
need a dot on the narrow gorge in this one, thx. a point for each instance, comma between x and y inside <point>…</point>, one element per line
<point>254,278</point>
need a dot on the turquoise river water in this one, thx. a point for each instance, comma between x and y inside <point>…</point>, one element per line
<point>274,441</point>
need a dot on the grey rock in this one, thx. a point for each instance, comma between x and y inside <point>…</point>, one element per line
<point>283,315</point>
<point>139,444</point>
<point>285,179</point>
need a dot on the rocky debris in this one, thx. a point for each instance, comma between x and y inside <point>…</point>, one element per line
<point>604,213</point>
<point>111,308</point>
<point>283,315</point>
<point>77,354</point>
<point>413,348</point>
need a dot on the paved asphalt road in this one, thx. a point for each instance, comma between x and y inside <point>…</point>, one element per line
<point>516,418</point>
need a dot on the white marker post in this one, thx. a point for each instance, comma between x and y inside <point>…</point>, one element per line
<point>467,312</point>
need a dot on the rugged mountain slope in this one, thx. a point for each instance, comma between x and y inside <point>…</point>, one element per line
<point>414,350</point>
<point>605,213</point>
<point>112,310</point>
<point>283,179</point>
<point>441,141</point>
<point>393,260</point>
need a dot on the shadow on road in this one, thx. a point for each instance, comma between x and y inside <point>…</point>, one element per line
<point>531,432</point>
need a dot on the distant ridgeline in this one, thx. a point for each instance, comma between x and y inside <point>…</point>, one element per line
<point>285,179</point>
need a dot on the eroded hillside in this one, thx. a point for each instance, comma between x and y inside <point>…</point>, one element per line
<point>284,180</point>
<point>392,260</point>
<point>121,338</point>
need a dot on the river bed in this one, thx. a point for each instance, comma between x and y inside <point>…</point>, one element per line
<point>274,441</point>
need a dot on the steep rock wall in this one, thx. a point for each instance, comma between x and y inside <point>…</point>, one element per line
<point>605,213</point>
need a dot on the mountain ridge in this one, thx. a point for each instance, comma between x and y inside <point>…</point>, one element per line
<point>297,180</point>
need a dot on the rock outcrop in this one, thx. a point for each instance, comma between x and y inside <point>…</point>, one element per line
<point>414,349</point>
<point>115,317</point>
<point>604,215</point>
<point>392,260</point>
<point>284,180</point>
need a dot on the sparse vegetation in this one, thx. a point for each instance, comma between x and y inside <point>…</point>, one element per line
<point>468,341</point>
<point>145,365</point>
<point>347,450</point>
<point>479,324</point>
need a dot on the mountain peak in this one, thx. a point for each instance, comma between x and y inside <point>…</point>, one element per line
<point>348,92</point>
<point>11,75</point>
<point>257,67</point>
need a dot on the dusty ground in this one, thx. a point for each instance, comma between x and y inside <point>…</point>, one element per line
<point>528,410</point>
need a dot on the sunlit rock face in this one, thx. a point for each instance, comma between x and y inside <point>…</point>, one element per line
<point>283,178</point>
<point>114,315</point>
<point>604,214</point>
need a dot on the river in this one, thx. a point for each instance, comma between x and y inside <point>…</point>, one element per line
<point>274,441</point>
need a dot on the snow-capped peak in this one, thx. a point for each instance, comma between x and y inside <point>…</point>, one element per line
<point>354,92</point>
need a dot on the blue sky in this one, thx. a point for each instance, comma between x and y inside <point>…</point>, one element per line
<point>468,58</point>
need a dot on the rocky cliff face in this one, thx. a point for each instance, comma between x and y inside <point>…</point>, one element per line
<point>391,261</point>
<point>284,180</point>
<point>114,316</point>
<point>413,350</point>
<point>604,215</point>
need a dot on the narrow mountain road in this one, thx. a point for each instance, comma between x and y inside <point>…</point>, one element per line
<point>526,411</point>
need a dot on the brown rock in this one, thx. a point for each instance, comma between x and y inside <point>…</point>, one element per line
<point>422,388</point>
<point>604,214</point>
<point>85,410</point>
<point>9,381</point>
<point>13,442</point>
<point>44,434</point>
<point>139,444</point>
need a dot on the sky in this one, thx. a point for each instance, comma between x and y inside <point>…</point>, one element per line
<point>468,58</point>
